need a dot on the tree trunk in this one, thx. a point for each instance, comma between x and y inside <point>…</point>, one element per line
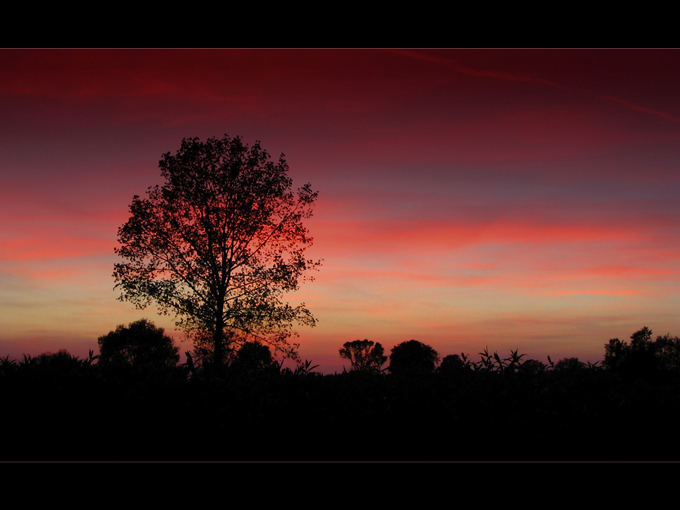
<point>218,340</point>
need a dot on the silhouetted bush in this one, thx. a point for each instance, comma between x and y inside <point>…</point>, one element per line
<point>667,350</point>
<point>643,357</point>
<point>413,358</point>
<point>452,364</point>
<point>533,367</point>
<point>139,345</point>
<point>253,358</point>
<point>364,355</point>
<point>569,365</point>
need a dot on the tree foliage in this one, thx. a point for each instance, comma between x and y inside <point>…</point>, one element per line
<point>643,356</point>
<point>220,243</point>
<point>140,345</point>
<point>364,355</point>
<point>253,358</point>
<point>569,365</point>
<point>203,352</point>
<point>412,358</point>
<point>453,364</point>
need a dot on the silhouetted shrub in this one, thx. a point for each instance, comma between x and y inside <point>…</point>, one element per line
<point>253,358</point>
<point>569,365</point>
<point>364,355</point>
<point>667,349</point>
<point>532,367</point>
<point>413,358</point>
<point>8,366</point>
<point>452,364</point>
<point>139,345</point>
<point>643,357</point>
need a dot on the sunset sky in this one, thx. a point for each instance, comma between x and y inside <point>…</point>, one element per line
<point>500,198</point>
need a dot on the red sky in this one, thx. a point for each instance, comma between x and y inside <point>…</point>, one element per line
<point>509,199</point>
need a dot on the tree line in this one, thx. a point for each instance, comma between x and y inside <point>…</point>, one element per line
<point>135,399</point>
<point>142,347</point>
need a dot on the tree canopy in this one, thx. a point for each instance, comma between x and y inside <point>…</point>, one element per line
<point>364,355</point>
<point>140,344</point>
<point>643,356</point>
<point>253,358</point>
<point>413,358</point>
<point>219,244</point>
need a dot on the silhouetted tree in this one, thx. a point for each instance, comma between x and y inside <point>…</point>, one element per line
<point>569,365</point>
<point>639,358</point>
<point>640,339</point>
<point>668,352</point>
<point>219,243</point>
<point>532,367</point>
<point>614,354</point>
<point>139,345</point>
<point>203,352</point>
<point>413,358</point>
<point>364,355</point>
<point>253,358</point>
<point>452,364</point>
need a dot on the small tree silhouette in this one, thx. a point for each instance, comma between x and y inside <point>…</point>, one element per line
<point>642,357</point>
<point>637,358</point>
<point>569,365</point>
<point>614,354</point>
<point>413,358</point>
<point>253,358</point>
<point>532,367</point>
<point>453,364</point>
<point>140,345</point>
<point>668,352</point>
<point>364,355</point>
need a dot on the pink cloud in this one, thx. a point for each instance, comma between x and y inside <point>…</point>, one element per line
<point>631,272</point>
<point>375,236</point>
<point>40,249</point>
<point>597,292</point>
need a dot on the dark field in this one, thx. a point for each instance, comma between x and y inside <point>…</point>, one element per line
<point>68,409</point>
